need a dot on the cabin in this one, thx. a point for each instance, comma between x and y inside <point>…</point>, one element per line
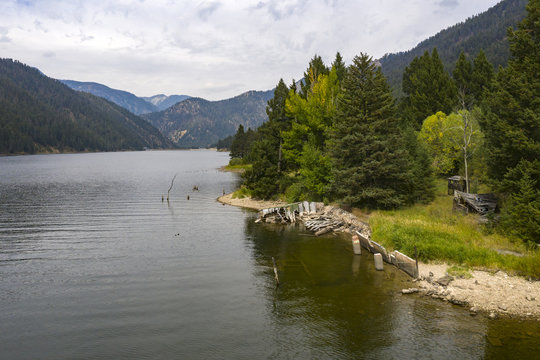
<point>456,183</point>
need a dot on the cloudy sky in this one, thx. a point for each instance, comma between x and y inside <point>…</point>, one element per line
<point>211,49</point>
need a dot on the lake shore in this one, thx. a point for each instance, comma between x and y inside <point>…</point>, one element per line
<point>492,293</point>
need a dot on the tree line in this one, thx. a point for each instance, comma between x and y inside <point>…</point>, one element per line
<point>340,135</point>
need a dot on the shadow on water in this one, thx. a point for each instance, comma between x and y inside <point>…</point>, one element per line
<point>333,303</point>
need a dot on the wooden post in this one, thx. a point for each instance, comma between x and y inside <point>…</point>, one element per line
<point>378,261</point>
<point>356,245</point>
<point>275,271</point>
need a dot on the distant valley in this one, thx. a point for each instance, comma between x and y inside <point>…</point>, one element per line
<point>196,122</point>
<point>188,122</point>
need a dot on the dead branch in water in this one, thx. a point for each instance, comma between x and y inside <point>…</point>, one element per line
<point>172,183</point>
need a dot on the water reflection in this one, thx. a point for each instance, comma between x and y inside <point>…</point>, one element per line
<point>331,303</point>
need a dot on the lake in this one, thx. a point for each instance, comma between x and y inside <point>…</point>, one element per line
<point>94,265</point>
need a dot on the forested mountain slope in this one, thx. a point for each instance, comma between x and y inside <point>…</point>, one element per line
<point>485,31</point>
<point>121,98</point>
<point>196,122</point>
<point>38,113</point>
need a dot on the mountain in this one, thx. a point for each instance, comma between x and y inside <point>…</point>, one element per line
<point>196,122</point>
<point>485,31</point>
<point>122,98</point>
<point>162,102</point>
<point>38,113</point>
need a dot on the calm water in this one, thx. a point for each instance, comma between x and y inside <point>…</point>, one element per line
<point>94,265</point>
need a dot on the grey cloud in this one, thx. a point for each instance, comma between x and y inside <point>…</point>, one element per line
<point>3,35</point>
<point>39,25</point>
<point>452,4</point>
<point>279,13</point>
<point>208,9</point>
<point>49,54</point>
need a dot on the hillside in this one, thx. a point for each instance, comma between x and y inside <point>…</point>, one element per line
<point>38,113</point>
<point>485,31</point>
<point>196,122</point>
<point>162,102</point>
<point>121,98</point>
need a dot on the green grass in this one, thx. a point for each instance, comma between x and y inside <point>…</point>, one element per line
<point>442,235</point>
<point>241,193</point>
<point>238,168</point>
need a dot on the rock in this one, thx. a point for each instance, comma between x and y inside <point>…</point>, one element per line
<point>476,282</point>
<point>458,302</point>
<point>530,298</point>
<point>410,291</point>
<point>430,274</point>
<point>502,307</point>
<point>445,280</point>
<point>474,311</point>
<point>493,315</point>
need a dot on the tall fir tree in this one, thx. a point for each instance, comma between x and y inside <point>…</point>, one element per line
<point>266,152</point>
<point>428,88</point>
<point>462,75</point>
<point>238,145</point>
<point>482,76</point>
<point>512,124</point>
<point>316,67</point>
<point>370,164</point>
<point>339,66</point>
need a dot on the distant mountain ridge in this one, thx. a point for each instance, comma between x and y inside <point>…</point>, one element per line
<point>125,99</point>
<point>197,122</point>
<point>162,102</point>
<point>486,31</point>
<point>38,113</point>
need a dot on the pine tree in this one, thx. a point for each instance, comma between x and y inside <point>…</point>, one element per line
<point>428,88</point>
<point>238,145</point>
<point>316,67</point>
<point>512,107</point>
<point>512,124</point>
<point>370,164</point>
<point>463,80</point>
<point>266,152</point>
<point>481,76</point>
<point>340,67</point>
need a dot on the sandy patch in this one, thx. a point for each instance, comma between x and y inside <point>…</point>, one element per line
<point>493,293</point>
<point>249,203</point>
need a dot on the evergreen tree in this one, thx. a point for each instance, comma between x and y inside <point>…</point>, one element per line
<point>428,88</point>
<point>512,106</point>
<point>340,67</point>
<point>238,145</point>
<point>266,152</point>
<point>481,76</point>
<point>422,184</point>
<point>512,122</point>
<point>370,164</point>
<point>315,69</point>
<point>463,80</point>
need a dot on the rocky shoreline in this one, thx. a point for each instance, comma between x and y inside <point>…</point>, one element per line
<point>493,294</point>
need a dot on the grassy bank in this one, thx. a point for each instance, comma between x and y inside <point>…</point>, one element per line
<point>442,235</point>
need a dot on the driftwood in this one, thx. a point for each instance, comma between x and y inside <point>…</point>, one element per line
<point>170,187</point>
